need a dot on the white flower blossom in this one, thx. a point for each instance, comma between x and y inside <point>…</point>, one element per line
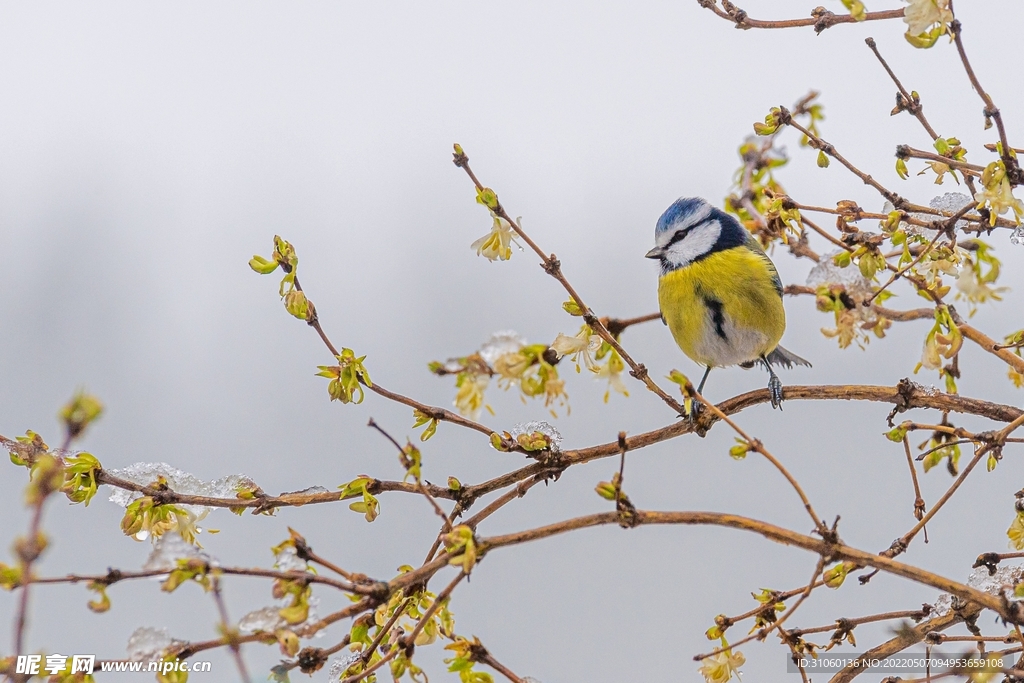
<point>921,15</point>
<point>497,244</point>
<point>583,344</point>
<point>469,400</point>
<point>721,667</point>
<point>999,199</point>
<point>612,371</point>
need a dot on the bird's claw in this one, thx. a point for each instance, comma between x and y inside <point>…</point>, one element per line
<point>696,408</point>
<point>775,391</point>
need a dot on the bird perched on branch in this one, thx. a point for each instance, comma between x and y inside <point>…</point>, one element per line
<point>719,293</point>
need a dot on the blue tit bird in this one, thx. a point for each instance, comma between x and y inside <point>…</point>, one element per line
<point>719,293</point>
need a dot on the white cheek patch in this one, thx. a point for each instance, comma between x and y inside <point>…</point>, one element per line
<point>694,218</point>
<point>697,243</point>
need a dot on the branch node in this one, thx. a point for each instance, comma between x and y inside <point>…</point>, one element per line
<point>640,373</point>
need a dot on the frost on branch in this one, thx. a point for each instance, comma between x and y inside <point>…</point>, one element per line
<point>269,619</point>
<point>147,644</point>
<point>179,517</point>
<point>998,584</point>
<point>170,548</point>
<point>288,561</point>
<point>340,665</point>
<point>536,435</point>
<point>828,273</point>
<point>514,362</point>
<point>500,344</point>
<point>178,481</point>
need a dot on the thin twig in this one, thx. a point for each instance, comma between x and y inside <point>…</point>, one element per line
<point>821,19</point>
<point>230,633</point>
<point>919,504</point>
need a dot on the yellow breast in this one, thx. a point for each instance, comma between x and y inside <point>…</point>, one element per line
<point>724,309</point>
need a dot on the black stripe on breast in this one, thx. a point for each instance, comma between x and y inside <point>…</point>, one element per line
<point>717,316</point>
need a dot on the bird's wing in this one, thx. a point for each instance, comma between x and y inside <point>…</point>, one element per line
<point>753,245</point>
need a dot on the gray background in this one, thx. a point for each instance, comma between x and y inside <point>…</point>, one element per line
<point>149,149</point>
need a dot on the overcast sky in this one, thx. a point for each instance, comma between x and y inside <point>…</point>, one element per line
<point>148,150</point>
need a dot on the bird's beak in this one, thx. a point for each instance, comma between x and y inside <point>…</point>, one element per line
<point>657,252</point>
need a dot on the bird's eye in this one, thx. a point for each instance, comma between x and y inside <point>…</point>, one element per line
<point>680,234</point>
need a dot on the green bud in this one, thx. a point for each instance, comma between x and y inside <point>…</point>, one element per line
<point>487,197</point>
<point>897,434</point>
<point>454,484</point>
<point>262,265</point>
<point>835,576</point>
<point>295,303</point>
<point>925,40</point>
<point>857,9</point>
<point>572,308</point>
<point>842,259</point>
<point>82,410</point>
<point>740,450</point>
<point>822,159</point>
<point>102,603</point>
<point>901,169</point>
<point>606,490</point>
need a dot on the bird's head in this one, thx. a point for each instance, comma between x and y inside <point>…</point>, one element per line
<point>692,229</point>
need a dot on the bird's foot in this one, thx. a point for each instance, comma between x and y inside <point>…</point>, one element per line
<point>775,391</point>
<point>693,413</point>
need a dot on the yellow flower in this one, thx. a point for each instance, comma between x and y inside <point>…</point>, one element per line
<point>1016,532</point>
<point>470,397</point>
<point>612,371</point>
<point>999,199</point>
<point>930,357</point>
<point>583,344</point>
<point>921,15</point>
<point>511,366</point>
<point>973,287</point>
<point>721,667</point>
<point>497,244</point>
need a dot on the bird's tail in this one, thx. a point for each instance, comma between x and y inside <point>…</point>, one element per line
<point>786,359</point>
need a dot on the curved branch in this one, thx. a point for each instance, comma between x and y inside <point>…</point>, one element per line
<point>986,342</point>
<point>904,396</point>
<point>820,19</point>
<point>906,638</point>
<point>830,551</point>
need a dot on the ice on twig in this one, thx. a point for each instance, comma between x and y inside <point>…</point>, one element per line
<point>288,561</point>
<point>1017,237</point>
<point>951,202</point>
<point>308,491</point>
<point>499,344</point>
<point>168,549</point>
<point>340,665</point>
<point>544,428</point>
<point>1004,578</point>
<point>828,273</point>
<point>999,584</point>
<point>179,482</point>
<point>922,389</point>
<point>267,619</point>
<point>148,643</point>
